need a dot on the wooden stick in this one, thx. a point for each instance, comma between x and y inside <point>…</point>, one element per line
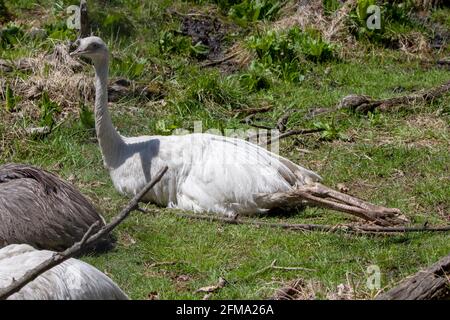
<point>252,111</point>
<point>431,283</point>
<point>318,227</point>
<point>443,62</point>
<point>280,126</point>
<point>386,104</point>
<point>364,104</point>
<point>219,61</point>
<point>87,240</point>
<point>84,20</point>
<point>273,266</point>
<point>282,121</point>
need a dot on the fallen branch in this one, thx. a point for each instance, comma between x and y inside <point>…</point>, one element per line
<point>87,240</point>
<point>431,283</point>
<point>253,111</point>
<point>162,263</point>
<point>219,61</point>
<point>280,127</point>
<point>364,104</point>
<point>443,62</point>
<point>358,229</point>
<point>220,284</point>
<point>281,123</point>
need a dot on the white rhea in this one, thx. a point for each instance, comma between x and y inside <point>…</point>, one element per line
<point>207,173</point>
<point>71,280</point>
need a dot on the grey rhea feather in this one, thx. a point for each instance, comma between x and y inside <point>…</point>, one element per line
<point>42,210</point>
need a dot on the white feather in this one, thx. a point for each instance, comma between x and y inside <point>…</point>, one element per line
<point>71,280</point>
<point>207,173</point>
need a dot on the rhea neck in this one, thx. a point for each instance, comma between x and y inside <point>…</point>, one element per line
<point>109,139</point>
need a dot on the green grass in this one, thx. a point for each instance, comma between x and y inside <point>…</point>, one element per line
<point>397,159</point>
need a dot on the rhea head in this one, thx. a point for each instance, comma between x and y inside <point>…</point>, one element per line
<point>91,47</point>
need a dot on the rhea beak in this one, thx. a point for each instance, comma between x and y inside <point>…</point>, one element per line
<point>77,53</point>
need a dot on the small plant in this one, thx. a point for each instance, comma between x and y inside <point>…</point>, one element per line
<point>170,42</point>
<point>10,99</point>
<point>361,9</point>
<point>48,110</point>
<point>59,31</point>
<point>257,77</point>
<point>395,22</point>
<point>10,36</point>
<point>330,6</point>
<point>199,50</point>
<point>287,46</point>
<point>286,53</point>
<point>311,44</point>
<point>330,131</point>
<point>86,117</point>
<point>249,11</point>
<point>131,66</point>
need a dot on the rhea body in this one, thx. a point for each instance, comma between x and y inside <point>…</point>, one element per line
<point>71,280</point>
<point>42,210</point>
<point>207,173</point>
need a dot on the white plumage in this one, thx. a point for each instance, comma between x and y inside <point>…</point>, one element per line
<point>71,280</point>
<point>207,173</point>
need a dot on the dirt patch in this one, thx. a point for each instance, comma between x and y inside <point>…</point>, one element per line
<point>211,31</point>
<point>207,30</point>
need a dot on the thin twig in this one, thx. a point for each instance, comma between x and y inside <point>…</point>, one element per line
<point>163,263</point>
<point>364,104</point>
<point>443,62</point>
<point>319,227</point>
<point>253,111</point>
<point>87,240</point>
<point>282,121</point>
<point>273,266</point>
<point>280,126</point>
<point>219,61</point>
